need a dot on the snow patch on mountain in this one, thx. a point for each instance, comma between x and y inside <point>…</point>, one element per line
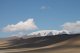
<point>49,32</point>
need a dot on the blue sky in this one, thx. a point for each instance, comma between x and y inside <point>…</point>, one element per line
<point>47,14</point>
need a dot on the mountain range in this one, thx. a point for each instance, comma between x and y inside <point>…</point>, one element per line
<point>40,40</point>
<point>49,32</point>
<point>40,33</point>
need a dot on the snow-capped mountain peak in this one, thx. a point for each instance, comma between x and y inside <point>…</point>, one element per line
<point>49,32</point>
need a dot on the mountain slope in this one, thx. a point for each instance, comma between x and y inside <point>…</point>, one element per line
<point>71,45</point>
<point>39,41</point>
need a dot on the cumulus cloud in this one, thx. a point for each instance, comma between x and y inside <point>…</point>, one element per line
<point>72,27</point>
<point>20,26</point>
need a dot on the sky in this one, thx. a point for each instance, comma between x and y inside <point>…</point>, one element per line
<point>26,16</point>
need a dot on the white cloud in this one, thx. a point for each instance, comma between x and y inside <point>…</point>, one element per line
<point>72,27</point>
<point>43,7</point>
<point>20,26</point>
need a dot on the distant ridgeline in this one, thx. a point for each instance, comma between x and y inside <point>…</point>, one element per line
<point>40,41</point>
